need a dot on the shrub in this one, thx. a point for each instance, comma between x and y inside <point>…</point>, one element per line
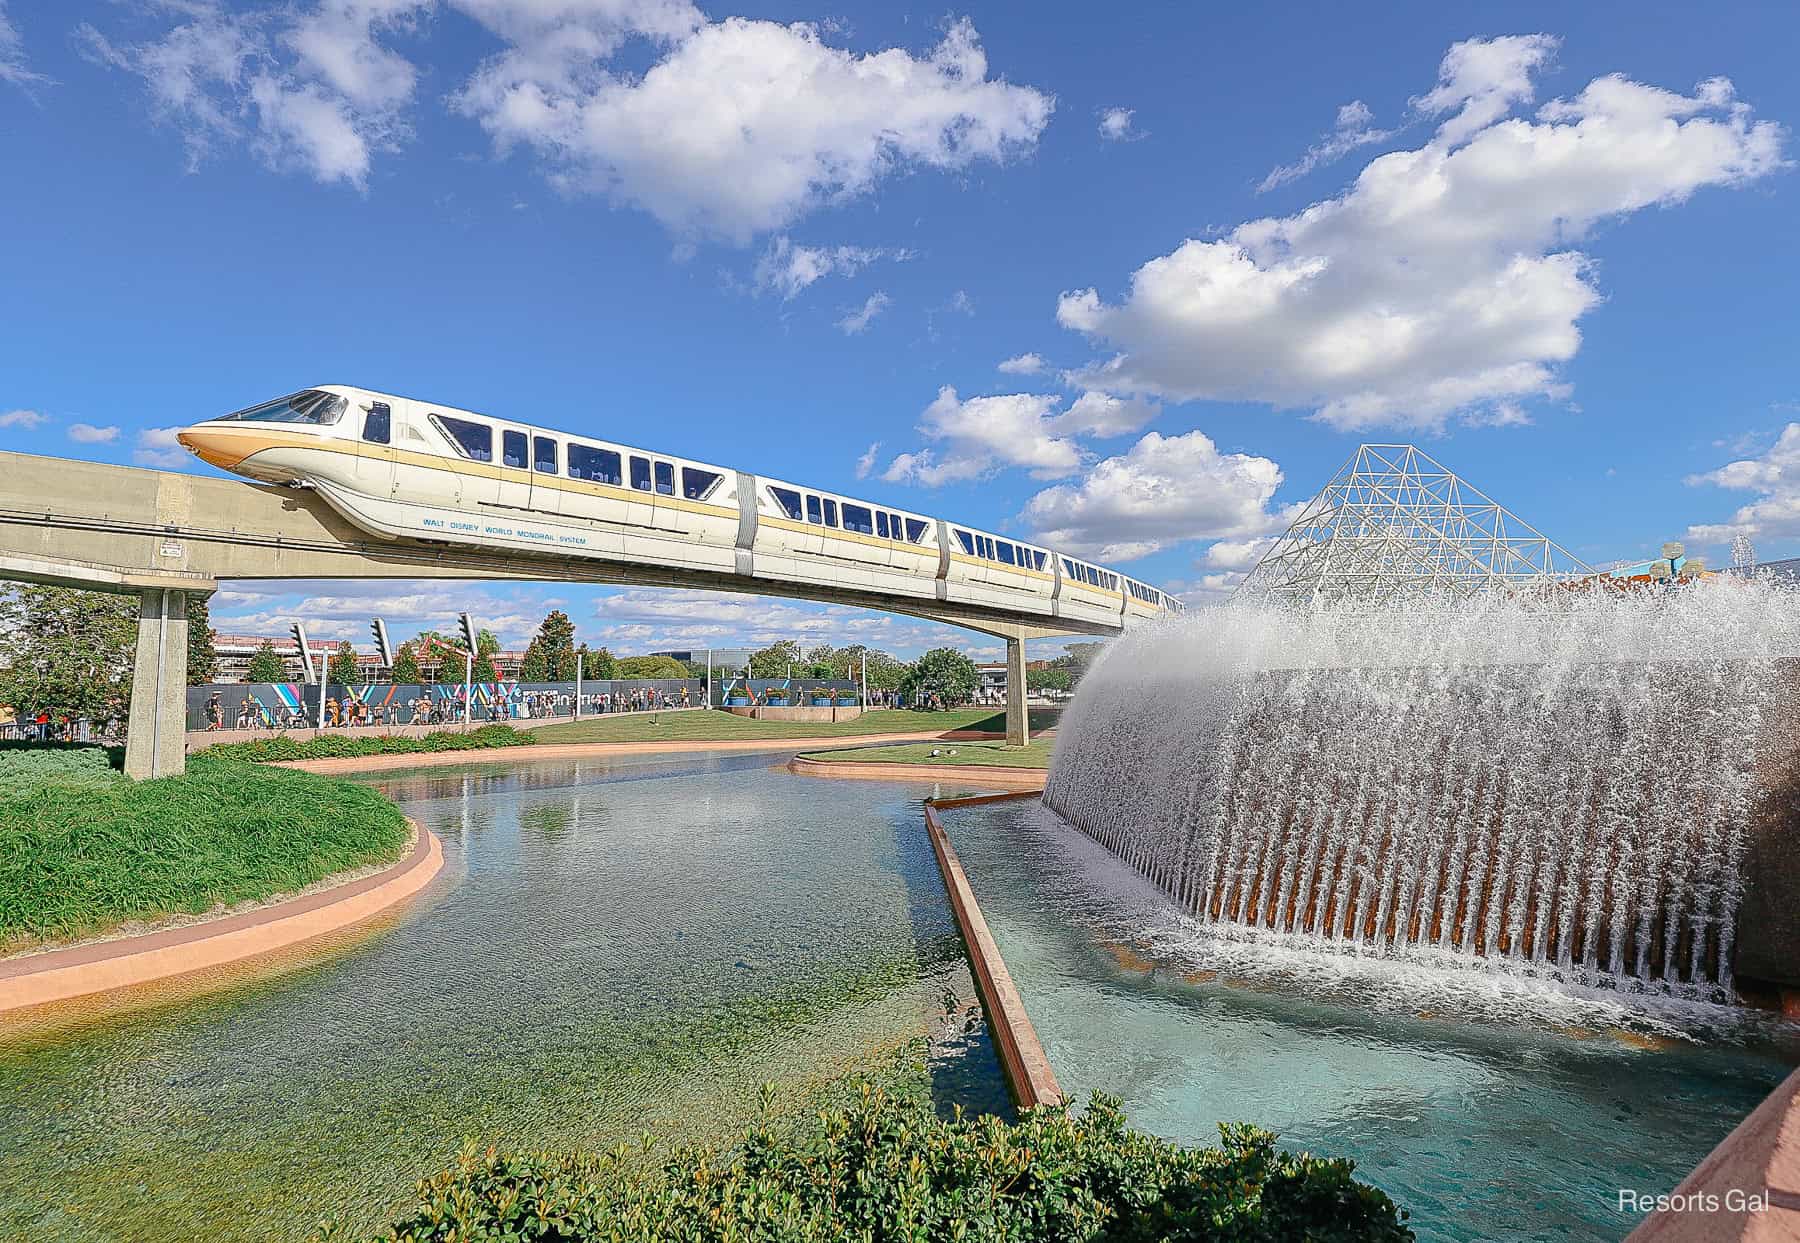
<point>886,1168</point>
<point>26,763</point>
<point>331,746</point>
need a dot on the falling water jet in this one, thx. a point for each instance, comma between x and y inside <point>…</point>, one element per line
<point>1560,788</point>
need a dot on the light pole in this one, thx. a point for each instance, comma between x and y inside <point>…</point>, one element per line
<point>468,630</point>
<point>706,694</point>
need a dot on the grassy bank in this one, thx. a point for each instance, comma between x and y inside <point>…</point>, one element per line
<point>333,746</point>
<point>1036,754</point>
<point>723,726</point>
<point>83,849</point>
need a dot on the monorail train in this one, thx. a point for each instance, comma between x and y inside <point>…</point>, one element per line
<point>404,469</point>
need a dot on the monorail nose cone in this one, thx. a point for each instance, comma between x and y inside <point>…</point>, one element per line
<point>222,449</point>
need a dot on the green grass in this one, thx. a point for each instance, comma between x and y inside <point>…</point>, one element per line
<point>1035,754</point>
<point>333,746</point>
<point>723,726</point>
<point>83,849</point>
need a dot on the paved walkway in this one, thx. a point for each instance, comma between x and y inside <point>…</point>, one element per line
<point>593,750</point>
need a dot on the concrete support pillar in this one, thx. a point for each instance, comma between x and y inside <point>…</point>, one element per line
<point>1018,719</point>
<point>156,734</point>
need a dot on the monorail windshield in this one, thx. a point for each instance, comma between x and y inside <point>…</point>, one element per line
<point>312,406</point>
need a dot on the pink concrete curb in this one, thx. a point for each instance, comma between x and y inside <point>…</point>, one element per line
<point>1023,1059</point>
<point>1747,1189</point>
<point>57,975</point>
<point>593,750</point>
<point>1027,779</point>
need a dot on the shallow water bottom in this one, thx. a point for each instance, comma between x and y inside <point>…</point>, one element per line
<point>1485,1111</point>
<point>611,947</point>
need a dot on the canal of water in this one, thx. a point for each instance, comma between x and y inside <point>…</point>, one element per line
<point>1490,1108</point>
<point>633,944</point>
<point>613,946</point>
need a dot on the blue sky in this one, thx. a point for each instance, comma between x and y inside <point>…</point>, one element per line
<point>1137,285</point>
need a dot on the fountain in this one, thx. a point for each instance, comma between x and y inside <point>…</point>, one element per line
<point>1563,787</point>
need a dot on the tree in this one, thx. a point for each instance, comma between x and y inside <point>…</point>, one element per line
<point>487,646</point>
<point>342,666</point>
<point>1076,659</point>
<point>1049,678</point>
<point>265,665</point>
<point>598,666</point>
<point>651,667</point>
<point>203,661</point>
<point>406,664</point>
<point>775,660</point>
<point>943,672</point>
<point>556,634</point>
<point>66,652</point>
<point>536,665</point>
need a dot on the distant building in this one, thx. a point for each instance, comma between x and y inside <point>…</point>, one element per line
<point>993,683</point>
<point>730,658</point>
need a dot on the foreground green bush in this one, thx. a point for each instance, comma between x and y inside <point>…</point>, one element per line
<point>887,1169</point>
<point>81,853</point>
<point>331,746</point>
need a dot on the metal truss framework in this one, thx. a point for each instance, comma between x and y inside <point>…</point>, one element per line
<point>1395,523</point>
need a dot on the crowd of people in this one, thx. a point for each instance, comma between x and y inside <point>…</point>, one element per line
<point>350,712</point>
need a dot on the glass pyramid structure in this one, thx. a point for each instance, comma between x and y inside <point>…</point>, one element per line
<point>1395,523</point>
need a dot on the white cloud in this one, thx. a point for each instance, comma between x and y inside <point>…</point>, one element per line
<point>25,420</point>
<point>983,434</point>
<point>786,268</point>
<point>1444,282</point>
<point>858,321</point>
<point>1354,129</point>
<point>1115,125</point>
<point>1103,415</point>
<point>1163,491</point>
<point>744,126</point>
<point>312,89</point>
<point>866,462</point>
<point>88,434</point>
<point>1022,364</point>
<point>1482,79</point>
<point>643,619</point>
<point>13,67</point>
<point>1774,477</point>
<point>1237,554</point>
<point>157,446</point>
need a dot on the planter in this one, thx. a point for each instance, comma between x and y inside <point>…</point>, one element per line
<point>737,701</point>
<point>822,703</point>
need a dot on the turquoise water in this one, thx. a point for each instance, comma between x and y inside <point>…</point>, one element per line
<point>611,947</point>
<point>1489,1112</point>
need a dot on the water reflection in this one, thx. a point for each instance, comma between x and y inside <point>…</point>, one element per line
<point>610,947</point>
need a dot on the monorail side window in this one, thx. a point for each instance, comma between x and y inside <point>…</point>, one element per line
<point>597,465</point>
<point>813,512</point>
<point>1040,558</point>
<point>858,518</point>
<point>789,500</point>
<point>830,512</point>
<point>474,441</point>
<point>378,424</point>
<point>1006,553</point>
<point>665,478</point>
<point>697,485</point>
<point>512,449</point>
<point>881,523</point>
<point>915,529</point>
<point>894,526</point>
<point>543,454</point>
<point>640,473</point>
<point>967,541</point>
